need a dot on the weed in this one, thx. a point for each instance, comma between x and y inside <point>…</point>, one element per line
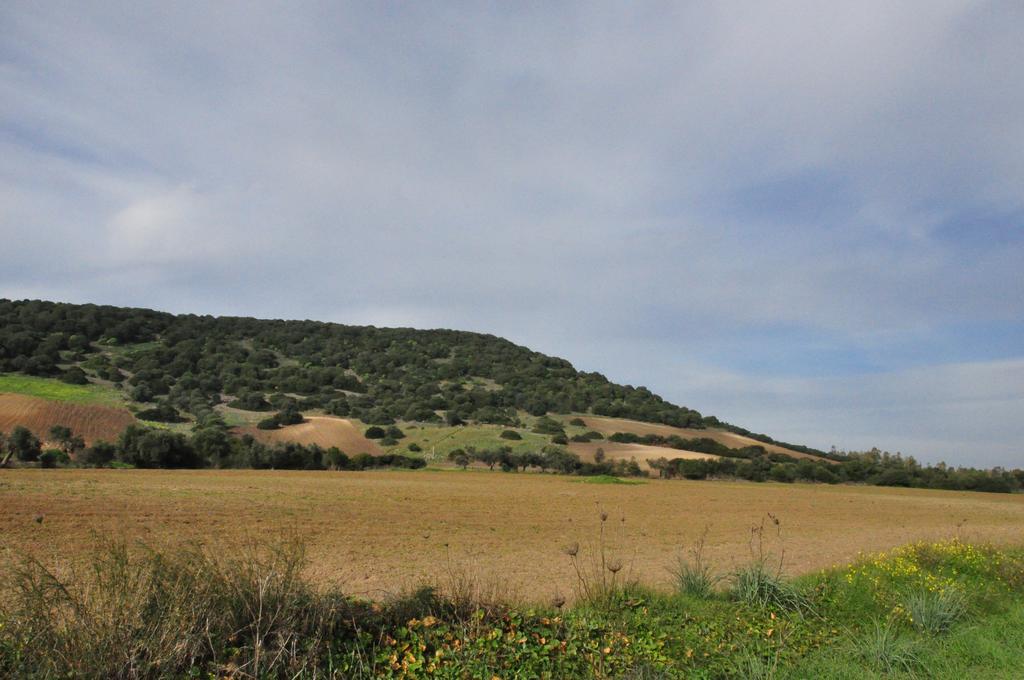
<point>935,611</point>
<point>883,650</point>
<point>760,583</point>
<point>597,570</point>
<point>692,575</point>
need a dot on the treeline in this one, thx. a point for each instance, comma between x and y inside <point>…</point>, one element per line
<point>549,458</point>
<point>699,445</point>
<point>208,447</point>
<point>872,467</point>
<point>186,363</point>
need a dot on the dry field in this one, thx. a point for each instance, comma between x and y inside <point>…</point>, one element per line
<point>607,426</point>
<point>39,415</point>
<point>377,532</point>
<point>641,452</point>
<point>325,431</point>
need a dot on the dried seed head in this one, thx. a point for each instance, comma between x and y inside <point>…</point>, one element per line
<point>604,516</point>
<point>615,566</point>
<point>558,601</point>
<point>572,549</point>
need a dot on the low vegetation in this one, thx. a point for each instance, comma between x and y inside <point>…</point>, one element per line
<point>151,612</point>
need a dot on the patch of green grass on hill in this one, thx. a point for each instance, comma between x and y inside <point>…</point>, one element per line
<point>608,479</point>
<point>55,390</point>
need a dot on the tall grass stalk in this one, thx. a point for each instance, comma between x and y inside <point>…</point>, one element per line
<point>692,575</point>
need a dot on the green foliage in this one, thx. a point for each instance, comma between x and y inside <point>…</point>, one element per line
<point>193,611</point>
<point>935,612</point>
<point>24,445</point>
<point>511,434</point>
<point>50,457</point>
<point>375,432</point>
<point>48,388</point>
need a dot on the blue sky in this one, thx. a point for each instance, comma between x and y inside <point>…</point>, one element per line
<point>806,218</point>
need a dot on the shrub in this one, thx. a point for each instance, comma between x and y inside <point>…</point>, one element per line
<point>415,448</point>
<point>74,376</point>
<point>270,423</point>
<point>99,454</point>
<point>24,445</point>
<point>546,425</point>
<point>337,459</point>
<point>394,433</point>
<point>559,439</point>
<point>50,457</point>
<point>692,575</point>
<point>375,432</point>
<point>935,612</point>
<point>577,422</point>
<point>883,650</point>
<point>162,613</point>
<point>510,434</point>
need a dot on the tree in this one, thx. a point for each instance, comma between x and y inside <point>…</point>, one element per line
<point>375,432</point>
<point>459,457</point>
<point>336,459</point>
<point>99,454</point>
<point>66,440</point>
<point>25,445</point>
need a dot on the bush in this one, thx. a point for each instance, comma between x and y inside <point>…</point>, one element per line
<point>577,422</point>
<point>761,587</point>
<point>415,448</point>
<point>24,445</point>
<point>510,434</point>
<point>163,613</point>
<point>50,457</point>
<point>375,432</point>
<point>559,439</point>
<point>270,423</point>
<point>546,425</point>
<point>74,376</point>
<point>935,612</point>
<point>99,454</point>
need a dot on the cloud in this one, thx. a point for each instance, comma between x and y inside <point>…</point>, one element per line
<point>797,191</point>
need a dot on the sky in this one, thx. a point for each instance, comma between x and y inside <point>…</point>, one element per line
<point>805,218</point>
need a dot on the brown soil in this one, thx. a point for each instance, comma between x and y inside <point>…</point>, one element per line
<point>39,415</point>
<point>325,431</point>
<point>382,531</point>
<point>607,426</point>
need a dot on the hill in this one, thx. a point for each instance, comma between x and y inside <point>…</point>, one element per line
<point>181,367</point>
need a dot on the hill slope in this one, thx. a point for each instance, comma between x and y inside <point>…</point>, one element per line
<point>187,365</point>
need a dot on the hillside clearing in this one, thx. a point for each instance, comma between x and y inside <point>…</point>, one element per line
<point>383,531</point>
<point>50,388</point>
<point>39,415</point>
<point>324,431</point>
<point>608,426</point>
<point>641,452</point>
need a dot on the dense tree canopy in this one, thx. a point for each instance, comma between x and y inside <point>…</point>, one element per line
<point>379,375</point>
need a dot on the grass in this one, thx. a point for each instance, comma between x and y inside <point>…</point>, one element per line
<point>609,479</point>
<point>250,610</point>
<point>55,390</point>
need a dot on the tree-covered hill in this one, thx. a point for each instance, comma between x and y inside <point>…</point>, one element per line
<point>190,363</point>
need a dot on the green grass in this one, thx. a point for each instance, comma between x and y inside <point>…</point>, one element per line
<point>50,388</point>
<point>192,612</point>
<point>609,479</point>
